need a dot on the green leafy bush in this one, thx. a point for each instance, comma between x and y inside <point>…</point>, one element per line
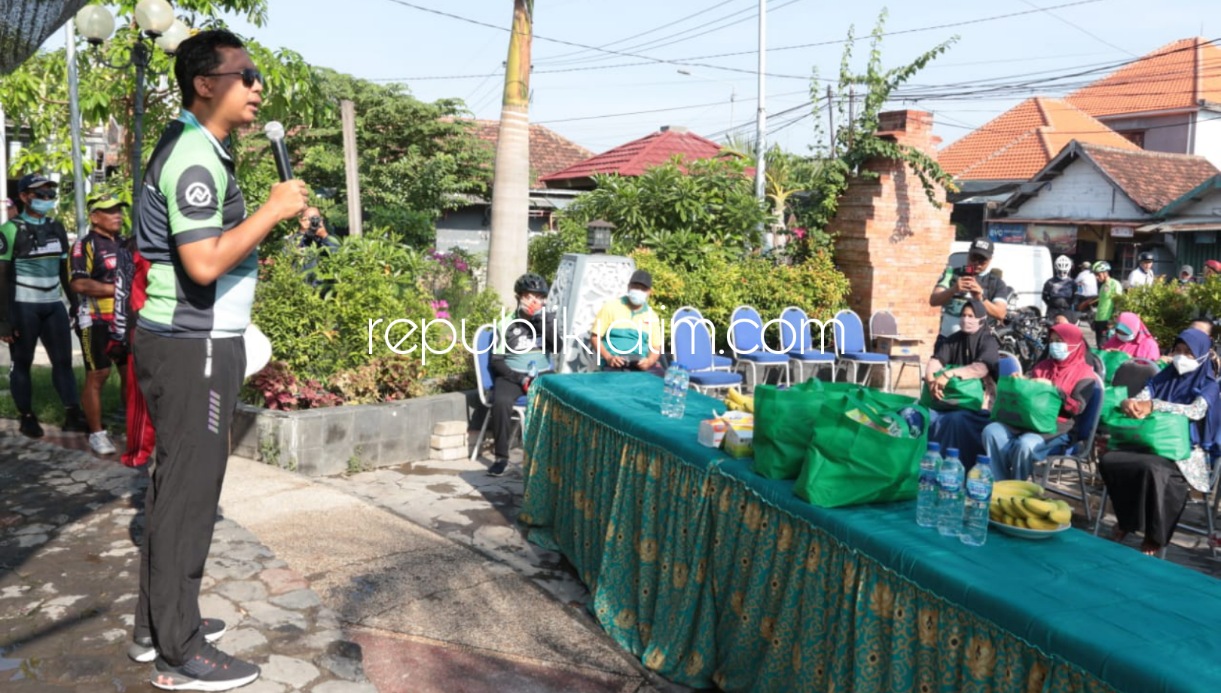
<point>325,331</point>
<point>719,286</point>
<point>1167,309</point>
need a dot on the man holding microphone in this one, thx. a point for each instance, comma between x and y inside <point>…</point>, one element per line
<point>192,227</point>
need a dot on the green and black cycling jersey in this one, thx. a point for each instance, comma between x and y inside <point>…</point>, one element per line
<point>36,250</point>
<point>190,194</point>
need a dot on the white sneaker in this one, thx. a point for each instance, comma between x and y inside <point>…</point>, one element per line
<point>100,442</point>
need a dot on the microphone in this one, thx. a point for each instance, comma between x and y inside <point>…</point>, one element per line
<point>275,132</point>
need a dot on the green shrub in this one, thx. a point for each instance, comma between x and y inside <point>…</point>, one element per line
<point>1167,310</point>
<point>320,330</point>
<point>546,250</point>
<point>719,286</point>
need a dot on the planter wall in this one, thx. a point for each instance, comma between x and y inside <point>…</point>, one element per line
<point>335,440</point>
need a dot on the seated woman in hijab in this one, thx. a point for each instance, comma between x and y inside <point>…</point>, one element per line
<point>1014,451</point>
<point>1149,492</point>
<point>1133,338</point>
<point>973,352</point>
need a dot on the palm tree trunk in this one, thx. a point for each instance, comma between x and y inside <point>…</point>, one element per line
<point>511,174</point>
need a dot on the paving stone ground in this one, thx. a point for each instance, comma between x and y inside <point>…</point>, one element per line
<point>320,622</point>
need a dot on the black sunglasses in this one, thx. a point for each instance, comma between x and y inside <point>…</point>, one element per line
<point>44,194</point>
<point>249,76</point>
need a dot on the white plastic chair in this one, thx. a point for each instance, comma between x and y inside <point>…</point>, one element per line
<point>886,338</point>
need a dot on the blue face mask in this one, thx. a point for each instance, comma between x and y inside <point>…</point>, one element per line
<point>637,297</point>
<point>42,207</point>
<point>1058,350</point>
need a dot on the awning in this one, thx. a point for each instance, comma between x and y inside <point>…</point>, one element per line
<point>1180,226</point>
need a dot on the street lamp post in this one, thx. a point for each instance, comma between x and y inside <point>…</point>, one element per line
<point>156,21</point>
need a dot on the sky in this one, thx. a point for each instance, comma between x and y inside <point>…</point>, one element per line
<point>601,99</point>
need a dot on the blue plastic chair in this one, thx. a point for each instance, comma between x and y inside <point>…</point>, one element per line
<point>749,351</point>
<point>795,321</point>
<point>850,347</point>
<point>483,383</point>
<point>693,351</point>
<point>719,363</point>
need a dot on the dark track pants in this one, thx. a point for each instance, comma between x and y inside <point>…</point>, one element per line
<point>504,395</point>
<point>48,323</point>
<point>191,387</point>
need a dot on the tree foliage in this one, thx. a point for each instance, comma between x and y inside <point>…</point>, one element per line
<point>856,141</point>
<point>680,210</point>
<point>35,95</point>
<point>416,159</point>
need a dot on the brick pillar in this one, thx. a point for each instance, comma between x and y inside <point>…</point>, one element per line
<point>892,243</point>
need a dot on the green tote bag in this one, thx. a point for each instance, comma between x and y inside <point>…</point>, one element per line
<point>958,394</point>
<point>863,451</point>
<point>1027,405</point>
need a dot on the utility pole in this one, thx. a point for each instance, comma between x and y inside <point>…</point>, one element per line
<point>347,112</point>
<point>74,112</point>
<point>761,117</point>
<point>830,122</point>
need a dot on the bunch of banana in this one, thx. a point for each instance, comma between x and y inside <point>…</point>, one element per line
<point>1023,504</point>
<point>736,401</point>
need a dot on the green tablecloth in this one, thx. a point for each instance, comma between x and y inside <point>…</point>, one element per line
<point>712,574</point>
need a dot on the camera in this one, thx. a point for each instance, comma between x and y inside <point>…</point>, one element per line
<point>315,223</point>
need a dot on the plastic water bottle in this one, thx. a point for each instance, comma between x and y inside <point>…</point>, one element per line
<point>682,379</point>
<point>975,503</point>
<point>667,391</point>
<point>926,497</point>
<point>949,495</point>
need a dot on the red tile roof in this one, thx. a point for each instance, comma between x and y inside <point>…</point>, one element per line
<point>633,158</point>
<point>1152,179</point>
<point>549,152</point>
<point>1018,143</point>
<point>1175,76</point>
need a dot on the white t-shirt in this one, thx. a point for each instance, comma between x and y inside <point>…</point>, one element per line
<point>1139,277</point>
<point>1087,284</point>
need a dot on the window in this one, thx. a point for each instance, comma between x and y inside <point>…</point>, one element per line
<point>1136,137</point>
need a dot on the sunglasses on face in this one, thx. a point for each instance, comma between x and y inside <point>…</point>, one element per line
<point>44,194</point>
<point>249,76</point>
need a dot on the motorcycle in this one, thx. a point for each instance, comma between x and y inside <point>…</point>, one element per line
<point>1023,334</point>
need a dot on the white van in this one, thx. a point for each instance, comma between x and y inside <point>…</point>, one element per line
<point>1024,269</point>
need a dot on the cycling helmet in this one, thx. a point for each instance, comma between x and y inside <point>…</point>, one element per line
<point>530,283</point>
<point>1145,257</point>
<point>1102,266</point>
<point>1063,264</point>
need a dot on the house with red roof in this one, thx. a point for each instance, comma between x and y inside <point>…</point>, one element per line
<point>992,161</point>
<point>468,226</point>
<point>1102,197</point>
<point>1168,100</point>
<point>635,157</point>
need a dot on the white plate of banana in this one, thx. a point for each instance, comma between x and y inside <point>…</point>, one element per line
<point>1022,509</point>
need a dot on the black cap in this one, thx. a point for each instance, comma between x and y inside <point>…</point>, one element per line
<point>33,180</point>
<point>981,246</point>
<point>642,278</point>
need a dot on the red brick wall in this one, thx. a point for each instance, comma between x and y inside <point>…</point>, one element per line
<point>892,242</point>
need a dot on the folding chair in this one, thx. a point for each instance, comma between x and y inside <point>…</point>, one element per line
<point>693,351</point>
<point>1209,501</point>
<point>719,363</point>
<point>795,337</point>
<point>749,351</point>
<point>484,337</point>
<point>1082,452</point>
<point>885,337</point>
<point>850,347</point>
<point>1008,365</point>
<point>1134,375</point>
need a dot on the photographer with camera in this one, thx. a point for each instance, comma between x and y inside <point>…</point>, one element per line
<point>975,280</point>
<point>312,231</point>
